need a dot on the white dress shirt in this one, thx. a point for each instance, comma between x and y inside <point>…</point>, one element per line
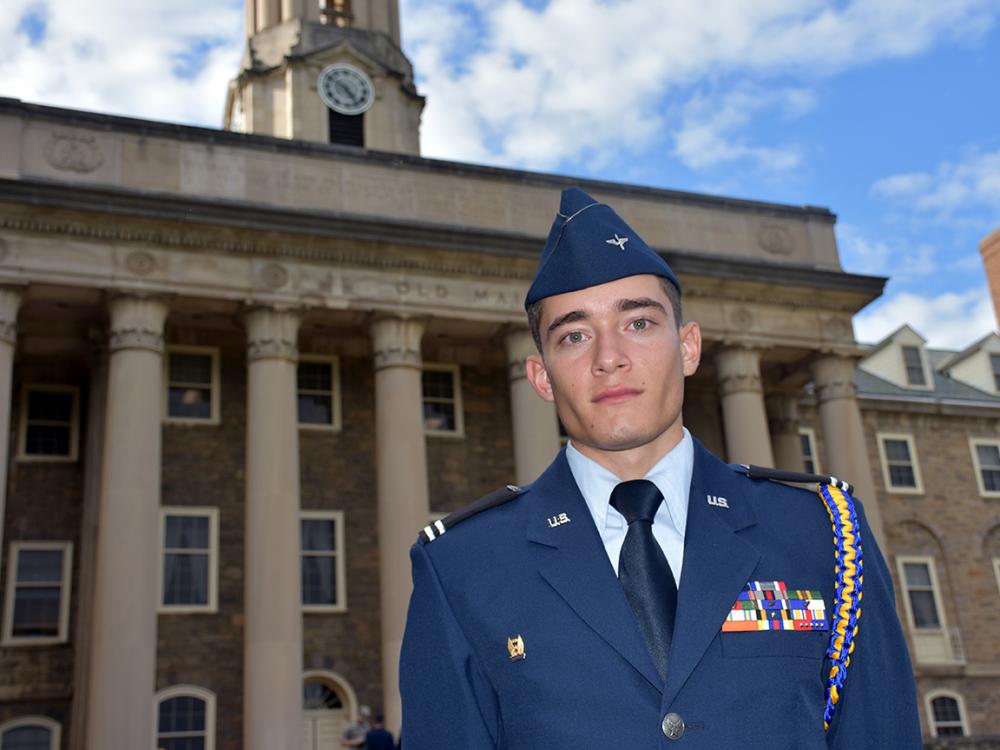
<point>671,474</point>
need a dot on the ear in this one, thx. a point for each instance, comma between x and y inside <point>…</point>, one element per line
<point>690,336</point>
<point>538,376</point>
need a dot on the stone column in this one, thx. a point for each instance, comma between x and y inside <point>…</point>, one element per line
<point>783,419</point>
<point>123,642</point>
<point>843,432</point>
<point>272,645</point>
<point>536,428</point>
<point>10,301</point>
<point>743,414</point>
<point>401,480</point>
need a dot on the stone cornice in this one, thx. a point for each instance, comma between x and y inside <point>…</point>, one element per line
<point>306,235</point>
<point>150,128</point>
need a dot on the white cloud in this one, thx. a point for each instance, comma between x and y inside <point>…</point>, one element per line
<point>582,79</point>
<point>948,321</point>
<point>967,185</point>
<point>156,59</point>
<point>902,260</point>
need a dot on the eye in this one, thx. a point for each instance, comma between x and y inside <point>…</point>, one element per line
<point>574,337</point>
<point>640,325</point>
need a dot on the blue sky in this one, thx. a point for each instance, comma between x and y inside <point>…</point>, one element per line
<point>885,111</point>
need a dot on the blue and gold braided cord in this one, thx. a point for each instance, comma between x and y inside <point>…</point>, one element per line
<point>847,598</point>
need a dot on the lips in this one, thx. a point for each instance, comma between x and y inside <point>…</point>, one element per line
<point>616,395</point>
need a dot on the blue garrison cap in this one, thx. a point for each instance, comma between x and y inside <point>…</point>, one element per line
<point>589,244</point>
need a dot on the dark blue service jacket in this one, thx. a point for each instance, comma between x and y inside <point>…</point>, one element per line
<point>586,679</point>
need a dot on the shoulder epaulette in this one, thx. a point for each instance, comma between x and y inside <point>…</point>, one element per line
<point>796,477</point>
<point>497,497</point>
<point>849,573</point>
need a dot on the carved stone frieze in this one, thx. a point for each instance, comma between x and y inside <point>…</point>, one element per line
<point>73,152</point>
<point>4,248</point>
<point>775,239</point>
<point>273,276</point>
<point>140,263</point>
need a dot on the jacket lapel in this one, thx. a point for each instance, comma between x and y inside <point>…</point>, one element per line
<point>578,567</point>
<point>717,564</point>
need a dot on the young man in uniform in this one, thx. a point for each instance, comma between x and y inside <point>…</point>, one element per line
<point>641,593</point>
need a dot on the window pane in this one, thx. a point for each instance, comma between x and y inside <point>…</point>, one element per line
<point>195,403</point>
<point>945,709</point>
<point>27,738</point>
<point>924,611</point>
<point>50,406</point>
<point>39,565</point>
<point>439,416</point>
<point>914,366</point>
<point>991,480</point>
<point>438,384</point>
<point>36,611</point>
<point>319,581</point>
<point>182,714</point>
<point>315,408</point>
<point>988,455</point>
<point>181,743</point>
<point>917,574</point>
<point>950,732</point>
<point>315,376</point>
<point>316,695</point>
<point>897,450</point>
<point>995,364</point>
<point>47,440</point>
<point>902,476</point>
<point>185,579</point>
<point>186,532</point>
<point>190,368</point>
<point>319,534</point>
<point>806,445</point>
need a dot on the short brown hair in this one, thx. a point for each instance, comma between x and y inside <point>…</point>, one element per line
<point>535,311</point>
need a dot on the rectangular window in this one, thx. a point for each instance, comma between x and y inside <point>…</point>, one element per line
<point>807,444</point>
<point>986,460</point>
<point>995,365</point>
<point>49,424</point>
<point>190,542</point>
<point>914,366</point>
<point>324,577</point>
<point>38,590</point>
<point>899,463</point>
<point>442,400</point>
<point>192,382</point>
<point>319,392</point>
<point>920,591</point>
<point>948,717</point>
<point>932,641</point>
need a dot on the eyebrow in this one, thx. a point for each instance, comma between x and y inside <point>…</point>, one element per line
<point>622,305</point>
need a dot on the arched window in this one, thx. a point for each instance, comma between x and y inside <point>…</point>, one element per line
<point>946,713</point>
<point>30,733</point>
<point>328,705</point>
<point>185,718</point>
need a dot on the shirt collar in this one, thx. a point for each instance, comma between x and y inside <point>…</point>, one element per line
<point>671,474</point>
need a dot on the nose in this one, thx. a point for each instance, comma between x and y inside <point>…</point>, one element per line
<point>609,355</point>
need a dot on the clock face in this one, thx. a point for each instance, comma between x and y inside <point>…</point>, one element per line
<point>346,89</point>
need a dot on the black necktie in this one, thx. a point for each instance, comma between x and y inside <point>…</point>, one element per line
<point>643,569</point>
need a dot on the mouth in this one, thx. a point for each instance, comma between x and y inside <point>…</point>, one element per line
<point>616,395</point>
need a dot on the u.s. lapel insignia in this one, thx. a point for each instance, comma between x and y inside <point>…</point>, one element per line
<point>617,241</point>
<point>718,502</point>
<point>558,520</point>
<point>515,647</point>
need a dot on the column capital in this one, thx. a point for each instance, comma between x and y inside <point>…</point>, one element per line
<point>520,345</point>
<point>396,341</point>
<point>833,377</point>
<point>782,412</point>
<point>10,303</point>
<point>272,333</point>
<point>738,369</point>
<point>137,322</point>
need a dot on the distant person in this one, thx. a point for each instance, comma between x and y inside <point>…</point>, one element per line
<point>354,735</point>
<point>378,737</point>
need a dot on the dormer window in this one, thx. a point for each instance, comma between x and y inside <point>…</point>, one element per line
<point>914,366</point>
<point>995,366</point>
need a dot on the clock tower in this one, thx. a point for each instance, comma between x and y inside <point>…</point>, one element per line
<point>330,71</point>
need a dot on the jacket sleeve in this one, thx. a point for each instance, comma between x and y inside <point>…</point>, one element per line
<point>878,706</point>
<point>447,701</point>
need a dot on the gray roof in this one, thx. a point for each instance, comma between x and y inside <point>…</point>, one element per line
<point>945,388</point>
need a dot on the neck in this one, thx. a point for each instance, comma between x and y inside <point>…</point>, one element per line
<point>634,463</point>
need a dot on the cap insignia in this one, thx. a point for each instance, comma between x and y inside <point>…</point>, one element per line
<point>619,241</point>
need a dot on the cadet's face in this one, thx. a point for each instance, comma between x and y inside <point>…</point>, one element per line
<point>614,363</point>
